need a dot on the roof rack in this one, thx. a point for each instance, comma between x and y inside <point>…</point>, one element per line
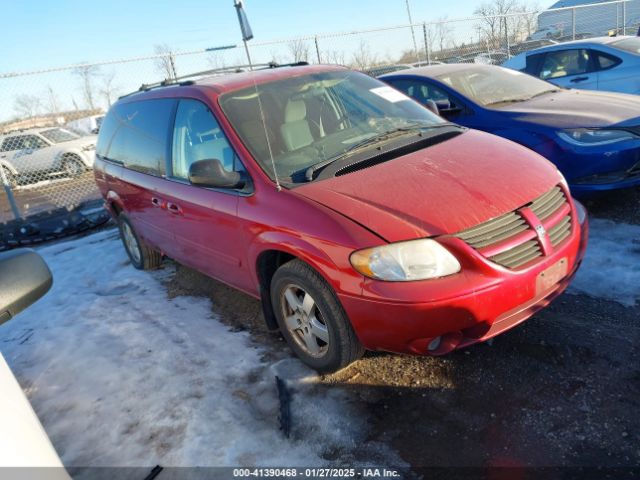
<point>184,79</point>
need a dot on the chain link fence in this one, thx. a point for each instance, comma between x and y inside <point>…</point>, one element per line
<point>49,118</point>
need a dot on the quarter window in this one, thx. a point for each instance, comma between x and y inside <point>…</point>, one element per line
<point>136,134</point>
<point>604,60</point>
<point>198,136</point>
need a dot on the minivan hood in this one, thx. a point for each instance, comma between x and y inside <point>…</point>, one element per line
<point>578,108</point>
<point>441,189</point>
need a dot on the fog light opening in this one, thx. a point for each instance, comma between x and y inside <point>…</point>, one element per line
<point>434,344</point>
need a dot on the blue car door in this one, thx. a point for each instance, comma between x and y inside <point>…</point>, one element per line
<point>570,68</point>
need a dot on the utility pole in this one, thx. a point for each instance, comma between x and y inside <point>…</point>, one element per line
<point>413,34</point>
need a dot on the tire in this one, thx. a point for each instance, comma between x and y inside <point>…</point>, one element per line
<point>142,256</point>
<point>317,330</point>
<point>11,178</point>
<point>73,166</point>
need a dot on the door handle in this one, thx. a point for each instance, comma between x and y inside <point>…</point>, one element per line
<point>578,79</point>
<point>156,202</point>
<point>174,208</point>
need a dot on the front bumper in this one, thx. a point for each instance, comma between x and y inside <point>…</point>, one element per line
<point>480,302</point>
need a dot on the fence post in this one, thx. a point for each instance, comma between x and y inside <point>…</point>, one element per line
<point>426,42</point>
<point>315,40</point>
<point>573,22</point>
<point>506,36</point>
<point>9,192</point>
<point>173,65</point>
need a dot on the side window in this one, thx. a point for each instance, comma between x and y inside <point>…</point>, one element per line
<point>141,136</point>
<point>33,142</point>
<point>604,61</point>
<point>422,91</point>
<point>13,143</point>
<point>562,63</point>
<point>534,63</point>
<point>198,136</point>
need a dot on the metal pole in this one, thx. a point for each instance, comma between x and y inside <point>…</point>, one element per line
<point>173,65</point>
<point>246,49</point>
<point>624,18</point>
<point>10,197</point>
<point>573,22</point>
<point>317,48</point>
<point>413,33</point>
<point>426,43</point>
<point>506,37</point>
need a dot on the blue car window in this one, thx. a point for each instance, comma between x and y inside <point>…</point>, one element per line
<point>562,63</point>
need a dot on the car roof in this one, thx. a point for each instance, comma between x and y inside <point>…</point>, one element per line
<point>584,41</point>
<point>434,71</point>
<point>232,81</point>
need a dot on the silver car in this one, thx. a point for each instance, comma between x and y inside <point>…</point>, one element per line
<point>605,63</point>
<point>29,156</point>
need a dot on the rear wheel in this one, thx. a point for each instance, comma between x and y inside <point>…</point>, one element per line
<point>142,256</point>
<point>311,319</point>
<point>73,166</point>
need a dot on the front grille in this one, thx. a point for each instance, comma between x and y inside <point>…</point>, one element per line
<point>512,241</point>
<point>494,230</point>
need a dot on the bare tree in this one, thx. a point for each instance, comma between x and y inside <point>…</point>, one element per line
<point>107,89</point>
<point>87,74</point>
<point>336,57</point>
<point>443,33</point>
<point>27,106</point>
<point>165,65</point>
<point>362,58</point>
<point>507,20</point>
<point>52,99</point>
<point>299,50</point>
<point>216,60</point>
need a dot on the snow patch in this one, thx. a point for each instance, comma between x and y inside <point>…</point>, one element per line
<point>121,375</point>
<point>611,266</point>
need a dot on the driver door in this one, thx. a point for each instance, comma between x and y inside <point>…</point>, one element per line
<point>204,220</point>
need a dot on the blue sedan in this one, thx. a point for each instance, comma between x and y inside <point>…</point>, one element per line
<point>592,137</point>
<point>606,63</point>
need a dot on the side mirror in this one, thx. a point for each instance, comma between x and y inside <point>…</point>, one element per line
<point>210,173</point>
<point>433,106</point>
<point>24,278</point>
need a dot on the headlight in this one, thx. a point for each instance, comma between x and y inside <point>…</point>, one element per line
<point>585,137</point>
<point>582,212</point>
<point>405,261</point>
<point>563,180</point>
<point>88,148</point>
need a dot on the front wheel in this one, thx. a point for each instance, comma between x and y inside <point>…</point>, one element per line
<point>311,319</point>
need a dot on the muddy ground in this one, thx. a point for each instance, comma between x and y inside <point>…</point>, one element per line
<point>563,389</point>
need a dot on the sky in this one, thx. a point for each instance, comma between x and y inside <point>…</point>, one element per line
<point>45,33</point>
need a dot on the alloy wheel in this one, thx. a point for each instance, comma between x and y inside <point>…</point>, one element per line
<point>304,321</point>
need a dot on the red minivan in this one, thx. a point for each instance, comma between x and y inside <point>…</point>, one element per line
<point>358,217</point>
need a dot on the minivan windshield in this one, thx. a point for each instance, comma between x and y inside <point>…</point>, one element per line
<point>496,86</point>
<point>315,118</point>
<point>58,135</point>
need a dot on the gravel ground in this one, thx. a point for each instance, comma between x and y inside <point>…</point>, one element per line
<point>563,389</point>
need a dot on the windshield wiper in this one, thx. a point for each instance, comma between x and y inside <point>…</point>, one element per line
<point>313,169</point>
<point>517,100</point>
